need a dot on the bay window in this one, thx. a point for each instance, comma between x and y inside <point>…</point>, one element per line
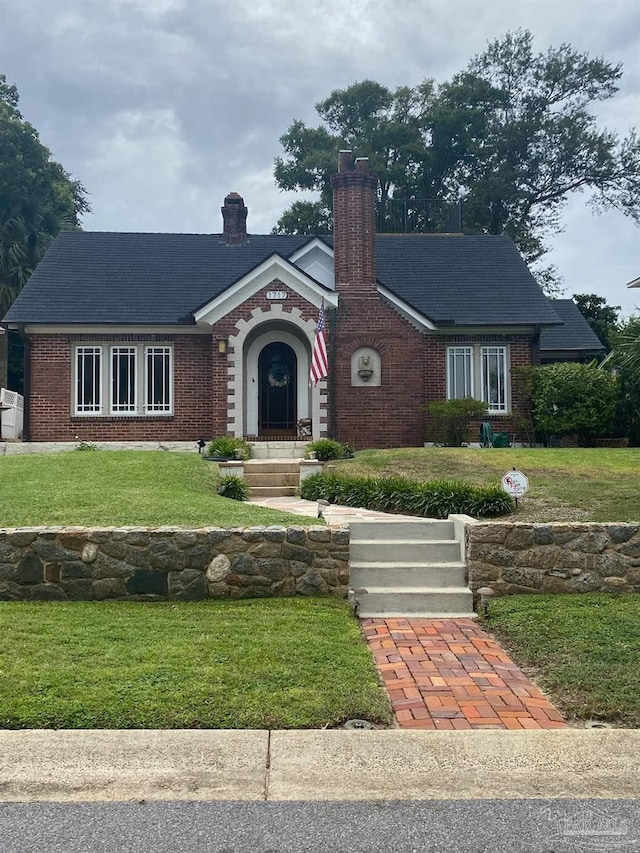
<point>123,380</point>
<point>479,371</point>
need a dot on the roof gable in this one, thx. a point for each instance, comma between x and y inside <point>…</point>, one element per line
<point>274,267</point>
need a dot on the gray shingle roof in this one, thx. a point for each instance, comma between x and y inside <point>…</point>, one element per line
<point>472,280</point>
<point>124,278</point>
<point>109,277</point>
<point>574,334</point>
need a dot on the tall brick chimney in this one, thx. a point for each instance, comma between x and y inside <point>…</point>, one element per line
<point>234,216</point>
<point>354,226</point>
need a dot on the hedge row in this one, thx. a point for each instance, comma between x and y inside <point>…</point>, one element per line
<point>437,499</point>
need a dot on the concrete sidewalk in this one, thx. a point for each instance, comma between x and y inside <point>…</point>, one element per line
<point>64,766</point>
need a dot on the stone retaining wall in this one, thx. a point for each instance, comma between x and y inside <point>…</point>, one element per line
<point>558,557</point>
<point>172,563</point>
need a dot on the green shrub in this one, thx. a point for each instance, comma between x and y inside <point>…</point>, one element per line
<point>452,418</point>
<point>574,399</point>
<point>226,446</point>
<point>85,445</point>
<point>437,499</point>
<point>326,449</point>
<point>233,487</point>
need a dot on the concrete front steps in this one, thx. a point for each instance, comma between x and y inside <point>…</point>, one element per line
<point>408,568</point>
<point>274,470</point>
<point>272,478</point>
<point>278,449</point>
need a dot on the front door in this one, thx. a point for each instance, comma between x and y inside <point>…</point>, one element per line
<point>277,390</point>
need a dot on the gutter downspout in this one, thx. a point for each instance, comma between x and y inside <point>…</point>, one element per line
<point>26,382</point>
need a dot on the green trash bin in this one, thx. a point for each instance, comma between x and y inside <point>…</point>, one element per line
<point>501,439</point>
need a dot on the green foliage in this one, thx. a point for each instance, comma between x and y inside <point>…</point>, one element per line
<point>452,418</point>
<point>574,399</point>
<point>305,217</point>
<point>226,446</point>
<point>589,484</point>
<point>83,445</point>
<point>234,488</point>
<point>327,449</point>
<point>626,359</point>
<point>513,135</point>
<point>122,487</point>
<point>38,198</point>
<point>602,318</point>
<point>281,663</point>
<point>584,649</point>
<point>436,499</point>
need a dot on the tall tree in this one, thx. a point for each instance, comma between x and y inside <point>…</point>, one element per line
<point>38,198</point>
<point>626,358</point>
<point>513,136</point>
<point>602,318</point>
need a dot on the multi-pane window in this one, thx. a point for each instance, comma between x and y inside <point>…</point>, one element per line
<point>479,367</point>
<point>158,379</point>
<point>460,373</point>
<point>135,379</point>
<point>88,380</point>
<point>123,380</point>
<point>494,378</point>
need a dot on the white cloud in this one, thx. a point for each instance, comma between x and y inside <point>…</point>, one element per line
<point>161,107</point>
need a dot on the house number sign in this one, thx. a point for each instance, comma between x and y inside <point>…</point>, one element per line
<point>276,294</point>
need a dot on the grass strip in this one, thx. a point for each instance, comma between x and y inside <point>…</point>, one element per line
<point>584,649</point>
<point>267,663</point>
<point>112,488</point>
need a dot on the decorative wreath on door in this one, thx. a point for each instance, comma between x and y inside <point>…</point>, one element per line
<point>278,376</point>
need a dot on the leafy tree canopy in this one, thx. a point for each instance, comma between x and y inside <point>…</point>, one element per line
<point>38,198</point>
<point>602,318</point>
<point>512,136</point>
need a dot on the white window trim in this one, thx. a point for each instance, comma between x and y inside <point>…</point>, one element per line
<point>106,351</point>
<point>131,408</point>
<point>477,383</point>
<point>98,350</point>
<point>467,348</point>
<point>150,411</point>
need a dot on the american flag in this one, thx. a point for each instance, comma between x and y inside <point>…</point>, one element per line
<point>319,364</point>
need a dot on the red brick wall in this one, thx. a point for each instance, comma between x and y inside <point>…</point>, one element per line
<point>520,351</point>
<point>354,227</point>
<point>390,415</point>
<point>50,404</point>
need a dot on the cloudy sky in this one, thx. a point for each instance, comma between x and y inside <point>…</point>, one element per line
<point>161,107</point>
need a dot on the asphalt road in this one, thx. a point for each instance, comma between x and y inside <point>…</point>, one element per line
<point>463,826</point>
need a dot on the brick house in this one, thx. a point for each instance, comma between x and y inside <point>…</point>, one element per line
<point>180,336</point>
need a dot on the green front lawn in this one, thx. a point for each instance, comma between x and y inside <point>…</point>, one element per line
<point>581,484</point>
<point>583,649</point>
<point>268,663</point>
<point>126,487</point>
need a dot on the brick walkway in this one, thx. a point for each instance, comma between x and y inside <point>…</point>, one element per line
<point>449,674</point>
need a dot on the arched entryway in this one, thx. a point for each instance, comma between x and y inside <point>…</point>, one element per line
<point>277,390</point>
<point>263,328</point>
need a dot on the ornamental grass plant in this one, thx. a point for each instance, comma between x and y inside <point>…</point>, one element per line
<point>437,499</point>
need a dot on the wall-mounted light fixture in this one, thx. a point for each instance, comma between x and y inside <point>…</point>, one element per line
<point>222,346</point>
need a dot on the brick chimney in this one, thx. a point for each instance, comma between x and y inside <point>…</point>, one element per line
<point>354,226</point>
<point>234,216</point>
